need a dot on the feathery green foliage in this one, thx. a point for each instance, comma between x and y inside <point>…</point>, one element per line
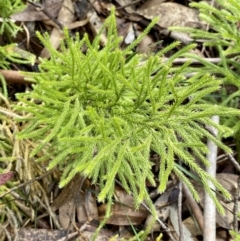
<point>224,22</point>
<point>9,53</point>
<point>100,113</point>
<point>235,235</point>
<point>7,8</point>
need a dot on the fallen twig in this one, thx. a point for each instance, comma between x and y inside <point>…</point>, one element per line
<point>14,77</point>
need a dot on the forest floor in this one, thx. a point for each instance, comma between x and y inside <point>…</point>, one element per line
<point>40,210</point>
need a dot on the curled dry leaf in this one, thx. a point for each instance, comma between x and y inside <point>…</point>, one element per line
<point>123,210</point>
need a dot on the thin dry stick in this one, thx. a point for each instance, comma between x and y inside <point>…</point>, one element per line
<point>179,36</point>
<point>14,77</point>
<point>161,223</point>
<point>233,160</point>
<point>195,209</point>
<point>9,113</point>
<point>40,7</point>
<point>74,234</point>
<point>70,236</point>
<point>158,220</point>
<point>209,232</point>
<point>235,210</point>
<point>26,183</point>
<point>207,27</point>
<point>181,237</point>
<point>181,61</point>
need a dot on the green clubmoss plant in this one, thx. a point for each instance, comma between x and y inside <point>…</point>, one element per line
<point>8,28</point>
<point>99,112</point>
<point>224,22</point>
<point>7,8</point>
<point>12,151</point>
<point>236,235</point>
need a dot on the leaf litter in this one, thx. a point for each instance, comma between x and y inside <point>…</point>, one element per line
<point>53,214</point>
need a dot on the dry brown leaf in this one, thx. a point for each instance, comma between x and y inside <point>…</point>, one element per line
<point>122,197</point>
<point>191,225</point>
<point>67,215</point>
<point>86,207</point>
<point>97,5</point>
<point>73,25</point>
<point>123,211</point>
<point>226,221</point>
<point>76,198</point>
<point>65,202</point>
<point>82,216</point>
<point>95,24</point>
<point>147,45</point>
<point>67,192</point>
<point>222,235</point>
<point>123,27</point>
<point>66,16</point>
<point>123,215</point>
<point>81,8</point>
<point>187,234</point>
<point>151,4</point>
<point>229,181</point>
<point>162,211</point>
<point>30,13</point>
<point>128,3</point>
<point>171,14</point>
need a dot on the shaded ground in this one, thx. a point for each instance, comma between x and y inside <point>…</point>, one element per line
<point>40,211</point>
